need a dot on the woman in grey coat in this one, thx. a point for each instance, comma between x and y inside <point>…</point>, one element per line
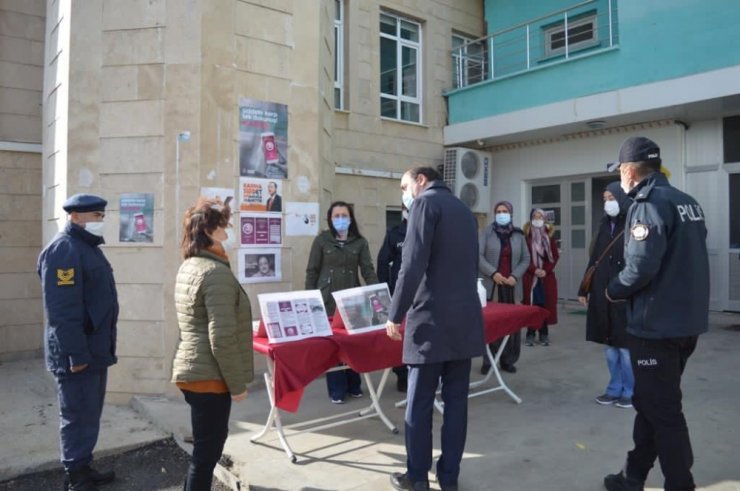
<point>504,258</point>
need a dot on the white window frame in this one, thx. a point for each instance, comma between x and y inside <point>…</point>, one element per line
<point>339,54</point>
<point>400,44</point>
<point>462,61</point>
<point>560,28</point>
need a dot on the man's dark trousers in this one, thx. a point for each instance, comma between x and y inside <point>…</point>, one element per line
<point>81,397</point>
<point>423,381</point>
<point>660,427</point>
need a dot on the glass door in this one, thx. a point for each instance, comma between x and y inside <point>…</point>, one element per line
<point>565,205</point>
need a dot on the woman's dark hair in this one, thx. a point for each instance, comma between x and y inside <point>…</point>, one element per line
<point>353,228</point>
<point>200,220</point>
<point>428,172</point>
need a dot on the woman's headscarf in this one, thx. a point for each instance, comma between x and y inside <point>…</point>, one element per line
<point>624,201</point>
<point>504,231</point>
<point>540,241</point>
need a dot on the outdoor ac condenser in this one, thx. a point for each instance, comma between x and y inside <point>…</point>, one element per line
<point>468,173</point>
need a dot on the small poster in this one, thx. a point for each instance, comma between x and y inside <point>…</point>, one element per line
<point>260,195</point>
<point>364,308</point>
<point>137,217</point>
<point>301,219</point>
<point>293,316</point>
<point>261,229</point>
<point>263,139</point>
<point>226,195</point>
<point>259,265</point>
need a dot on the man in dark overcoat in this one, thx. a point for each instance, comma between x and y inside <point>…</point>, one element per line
<point>444,326</point>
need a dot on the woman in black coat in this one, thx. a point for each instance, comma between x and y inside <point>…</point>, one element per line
<point>606,322</point>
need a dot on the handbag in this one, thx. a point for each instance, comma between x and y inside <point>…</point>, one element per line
<point>588,276</point>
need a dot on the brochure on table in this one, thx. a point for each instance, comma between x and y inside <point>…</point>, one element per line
<point>364,308</point>
<point>292,316</point>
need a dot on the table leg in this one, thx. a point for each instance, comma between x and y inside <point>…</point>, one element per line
<point>273,419</point>
<point>375,398</point>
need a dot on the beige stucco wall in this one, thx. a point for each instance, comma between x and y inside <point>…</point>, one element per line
<point>123,79</point>
<point>21,71</point>
<point>363,140</point>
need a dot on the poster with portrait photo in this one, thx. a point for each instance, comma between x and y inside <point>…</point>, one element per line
<point>364,308</point>
<point>137,217</point>
<point>263,139</point>
<point>261,229</point>
<point>292,316</point>
<point>259,265</point>
<point>260,195</point>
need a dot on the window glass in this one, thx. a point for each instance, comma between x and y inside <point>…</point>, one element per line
<point>410,31</point>
<point>546,194</point>
<point>578,215</point>
<point>735,211</point>
<point>400,77</point>
<point>578,239</point>
<point>408,56</point>
<point>731,138</point>
<point>388,68</point>
<point>578,191</point>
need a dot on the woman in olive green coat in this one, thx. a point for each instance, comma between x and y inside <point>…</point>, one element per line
<point>338,257</point>
<point>213,363</point>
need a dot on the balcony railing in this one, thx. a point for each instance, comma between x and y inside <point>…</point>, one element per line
<point>590,26</point>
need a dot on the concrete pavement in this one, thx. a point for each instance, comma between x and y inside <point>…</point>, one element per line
<point>557,439</point>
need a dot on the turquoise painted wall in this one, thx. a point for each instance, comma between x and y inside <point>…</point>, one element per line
<point>657,40</point>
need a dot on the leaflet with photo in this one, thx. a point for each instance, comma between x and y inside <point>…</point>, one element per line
<point>292,316</point>
<point>364,308</point>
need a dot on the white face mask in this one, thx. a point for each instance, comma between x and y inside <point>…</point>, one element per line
<point>230,242</point>
<point>407,199</point>
<point>538,223</point>
<point>95,228</point>
<point>611,208</point>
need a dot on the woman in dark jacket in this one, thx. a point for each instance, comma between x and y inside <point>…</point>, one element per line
<point>606,322</point>
<point>338,257</point>
<point>539,283</point>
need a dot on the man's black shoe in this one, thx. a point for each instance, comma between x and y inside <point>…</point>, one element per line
<point>401,482</point>
<point>508,368</point>
<point>448,487</point>
<point>87,475</point>
<point>485,368</point>
<point>79,480</point>
<point>402,384</point>
<point>620,482</point>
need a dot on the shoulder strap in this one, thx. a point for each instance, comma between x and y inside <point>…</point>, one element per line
<point>621,232</point>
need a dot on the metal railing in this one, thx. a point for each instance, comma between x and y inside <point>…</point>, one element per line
<point>580,29</point>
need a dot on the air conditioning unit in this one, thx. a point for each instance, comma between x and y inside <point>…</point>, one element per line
<point>468,173</point>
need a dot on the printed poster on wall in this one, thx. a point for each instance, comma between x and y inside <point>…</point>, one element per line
<point>301,219</point>
<point>137,217</point>
<point>261,229</point>
<point>293,316</point>
<point>260,195</point>
<point>259,265</point>
<point>263,139</point>
<point>226,195</point>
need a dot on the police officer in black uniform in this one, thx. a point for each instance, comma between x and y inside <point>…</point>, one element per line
<point>665,282</point>
<point>389,264</point>
<point>81,307</point>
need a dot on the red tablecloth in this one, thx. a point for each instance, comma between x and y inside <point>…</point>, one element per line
<point>300,362</point>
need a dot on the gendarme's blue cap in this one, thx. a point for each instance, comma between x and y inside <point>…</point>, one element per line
<point>636,149</point>
<point>82,203</point>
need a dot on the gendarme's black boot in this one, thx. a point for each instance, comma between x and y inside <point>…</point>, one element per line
<point>79,480</point>
<point>100,477</point>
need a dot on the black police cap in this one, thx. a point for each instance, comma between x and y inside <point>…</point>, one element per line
<point>82,203</point>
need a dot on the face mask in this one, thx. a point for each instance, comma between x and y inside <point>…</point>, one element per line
<point>503,218</point>
<point>611,208</point>
<point>230,242</point>
<point>341,224</point>
<point>538,223</point>
<point>95,228</point>
<point>407,199</point>
<point>405,214</point>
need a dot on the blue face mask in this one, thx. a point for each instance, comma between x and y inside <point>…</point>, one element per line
<point>407,199</point>
<point>503,219</point>
<point>341,224</point>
